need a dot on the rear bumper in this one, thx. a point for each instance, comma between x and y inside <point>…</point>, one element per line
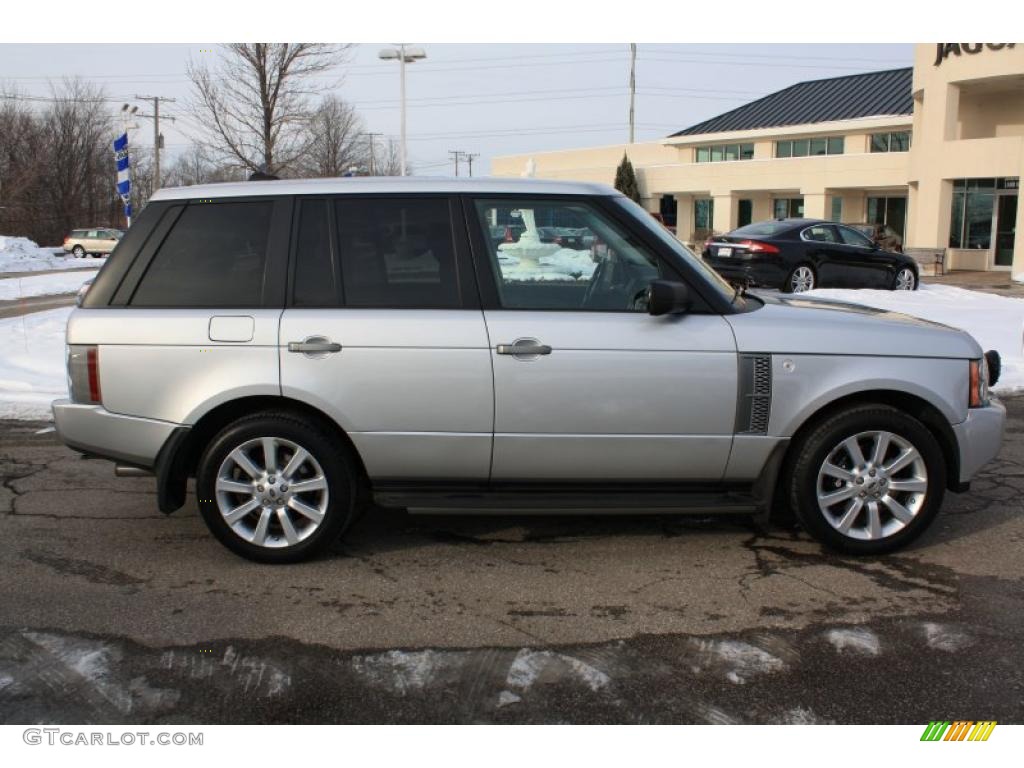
<point>96,431</point>
<point>768,274</point>
<point>979,437</point>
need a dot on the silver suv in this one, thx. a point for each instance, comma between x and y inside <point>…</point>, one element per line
<point>305,348</point>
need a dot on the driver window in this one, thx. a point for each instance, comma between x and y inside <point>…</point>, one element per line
<point>853,237</point>
<point>564,255</point>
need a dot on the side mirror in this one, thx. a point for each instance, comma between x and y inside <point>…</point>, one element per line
<point>665,297</point>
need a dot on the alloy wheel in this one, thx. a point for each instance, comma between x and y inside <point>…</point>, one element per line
<point>802,280</point>
<point>872,485</point>
<point>905,279</point>
<point>271,492</point>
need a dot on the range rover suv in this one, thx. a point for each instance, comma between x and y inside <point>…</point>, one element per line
<point>305,348</point>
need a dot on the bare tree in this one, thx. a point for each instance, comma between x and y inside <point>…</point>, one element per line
<point>256,104</point>
<point>389,162</point>
<point>334,143</point>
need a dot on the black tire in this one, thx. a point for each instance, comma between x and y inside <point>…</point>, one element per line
<point>78,251</point>
<point>810,453</point>
<point>896,279</point>
<point>338,469</point>
<point>787,286</point>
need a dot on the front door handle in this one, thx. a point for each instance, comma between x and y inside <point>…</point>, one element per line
<point>524,348</point>
<point>314,345</point>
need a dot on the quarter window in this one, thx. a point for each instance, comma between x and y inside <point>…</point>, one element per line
<point>213,257</point>
<point>564,255</point>
<point>397,253</point>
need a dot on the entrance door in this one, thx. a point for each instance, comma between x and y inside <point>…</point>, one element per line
<point>1006,224</point>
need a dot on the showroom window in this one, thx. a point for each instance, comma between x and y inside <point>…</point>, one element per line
<point>723,152</point>
<point>971,220</point>
<point>821,145</point>
<point>703,214</point>
<point>787,207</point>
<point>892,141</point>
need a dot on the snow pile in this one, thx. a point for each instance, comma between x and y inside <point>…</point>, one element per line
<point>13,288</point>
<point>996,322</point>
<point>19,254</point>
<point>563,264</point>
<point>32,367</point>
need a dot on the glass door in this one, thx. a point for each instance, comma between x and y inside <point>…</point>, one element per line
<point>1006,225</point>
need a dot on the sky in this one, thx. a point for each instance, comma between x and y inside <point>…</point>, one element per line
<point>490,100</point>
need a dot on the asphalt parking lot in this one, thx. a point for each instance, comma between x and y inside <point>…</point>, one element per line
<point>113,613</point>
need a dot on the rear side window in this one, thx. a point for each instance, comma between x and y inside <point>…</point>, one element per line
<point>213,257</point>
<point>820,233</point>
<point>315,280</point>
<point>397,253</point>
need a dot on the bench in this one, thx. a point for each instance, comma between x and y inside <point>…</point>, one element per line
<point>933,258</point>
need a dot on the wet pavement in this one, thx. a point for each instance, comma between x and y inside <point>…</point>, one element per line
<point>113,613</point>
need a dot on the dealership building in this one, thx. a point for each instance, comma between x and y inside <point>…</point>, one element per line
<point>936,151</point>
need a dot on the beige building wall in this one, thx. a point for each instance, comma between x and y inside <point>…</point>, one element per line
<point>968,123</point>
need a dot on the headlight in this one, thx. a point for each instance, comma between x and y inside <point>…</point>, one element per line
<point>979,383</point>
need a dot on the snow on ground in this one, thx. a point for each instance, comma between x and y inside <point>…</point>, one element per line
<point>32,372</point>
<point>996,322</point>
<point>13,288</point>
<point>19,254</point>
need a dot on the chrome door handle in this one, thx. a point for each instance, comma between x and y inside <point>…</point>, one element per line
<point>524,347</point>
<point>314,346</point>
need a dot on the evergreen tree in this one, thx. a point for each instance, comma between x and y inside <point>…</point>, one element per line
<point>625,180</point>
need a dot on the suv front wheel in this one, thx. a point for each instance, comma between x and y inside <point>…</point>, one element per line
<point>868,480</point>
<point>273,487</point>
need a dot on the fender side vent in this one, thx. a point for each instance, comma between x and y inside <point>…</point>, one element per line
<point>754,401</point>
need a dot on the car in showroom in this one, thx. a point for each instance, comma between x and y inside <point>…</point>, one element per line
<point>307,349</point>
<point>799,255</point>
<point>99,241</point>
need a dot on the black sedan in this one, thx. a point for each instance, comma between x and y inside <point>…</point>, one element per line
<point>797,255</point>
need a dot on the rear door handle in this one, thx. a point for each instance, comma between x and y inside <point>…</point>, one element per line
<point>313,346</point>
<point>524,347</point>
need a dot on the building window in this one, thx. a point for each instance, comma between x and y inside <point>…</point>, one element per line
<point>888,210</point>
<point>745,213</point>
<point>837,209</point>
<point>788,207</point>
<point>831,145</point>
<point>893,141</point>
<point>668,208</point>
<point>703,215</point>
<point>971,220</point>
<point>723,152</point>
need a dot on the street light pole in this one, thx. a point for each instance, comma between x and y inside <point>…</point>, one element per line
<point>404,55</point>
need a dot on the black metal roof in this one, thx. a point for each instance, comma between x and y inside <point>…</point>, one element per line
<point>819,101</point>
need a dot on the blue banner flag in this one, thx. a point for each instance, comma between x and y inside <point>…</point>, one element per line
<point>124,180</point>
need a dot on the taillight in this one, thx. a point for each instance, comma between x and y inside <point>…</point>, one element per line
<point>756,246</point>
<point>84,373</point>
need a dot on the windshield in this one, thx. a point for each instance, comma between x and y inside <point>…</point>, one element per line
<point>715,280</point>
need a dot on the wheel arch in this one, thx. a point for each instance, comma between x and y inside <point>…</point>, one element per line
<point>179,458</point>
<point>914,405</point>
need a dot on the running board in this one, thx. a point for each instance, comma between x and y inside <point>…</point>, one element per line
<point>568,502</point>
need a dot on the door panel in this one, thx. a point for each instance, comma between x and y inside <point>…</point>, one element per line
<point>412,388</point>
<point>621,396</point>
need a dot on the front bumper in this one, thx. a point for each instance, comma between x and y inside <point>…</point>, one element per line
<point>95,431</point>
<point>979,437</point>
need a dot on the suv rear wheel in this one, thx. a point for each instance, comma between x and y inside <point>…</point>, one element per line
<point>868,480</point>
<point>273,487</point>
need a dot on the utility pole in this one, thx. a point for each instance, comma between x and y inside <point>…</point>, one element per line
<point>632,92</point>
<point>456,156</point>
<point>372,139</point>
<point>469,159</point>
<point>158,139</point>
